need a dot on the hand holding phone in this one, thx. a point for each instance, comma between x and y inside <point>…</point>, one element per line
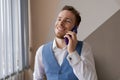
<point>74,30</point>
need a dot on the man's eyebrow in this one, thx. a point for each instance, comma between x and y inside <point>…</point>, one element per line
<point>69,19</point>
<point>59,17</point>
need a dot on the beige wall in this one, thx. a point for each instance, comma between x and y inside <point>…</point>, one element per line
<point>105,42</point>
<point>41,15</point>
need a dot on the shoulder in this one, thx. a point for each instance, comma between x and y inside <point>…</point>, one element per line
<point>39,50</point>
<point>86,49</point>
<point>48,43</point>
<point>85,44</point>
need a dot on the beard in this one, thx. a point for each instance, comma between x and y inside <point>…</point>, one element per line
<point>60,35</point>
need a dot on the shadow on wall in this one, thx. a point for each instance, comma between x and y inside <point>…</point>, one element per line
<point>105,42</point>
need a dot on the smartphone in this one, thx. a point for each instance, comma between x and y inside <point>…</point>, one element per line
<point>74,30</point>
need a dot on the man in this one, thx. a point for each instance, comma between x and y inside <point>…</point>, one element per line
<point>60,61</point>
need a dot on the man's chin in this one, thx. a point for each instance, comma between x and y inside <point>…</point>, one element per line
<point>60,37</point>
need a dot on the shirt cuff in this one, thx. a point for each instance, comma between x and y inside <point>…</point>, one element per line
<point>73,58</point>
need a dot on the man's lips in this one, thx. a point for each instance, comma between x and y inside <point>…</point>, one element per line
<point>60,29</point>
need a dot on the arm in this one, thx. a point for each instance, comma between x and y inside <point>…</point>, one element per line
<point>38,73</point>
<point>83,66</point>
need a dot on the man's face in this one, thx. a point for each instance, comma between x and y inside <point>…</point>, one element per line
<point>65,22</point>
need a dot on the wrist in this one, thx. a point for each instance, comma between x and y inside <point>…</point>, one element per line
<point>72,52</point>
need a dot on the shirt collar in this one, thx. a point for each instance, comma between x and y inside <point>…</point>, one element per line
<point>55,45</point>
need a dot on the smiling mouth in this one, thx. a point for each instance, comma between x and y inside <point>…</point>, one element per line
<point>61,29</point>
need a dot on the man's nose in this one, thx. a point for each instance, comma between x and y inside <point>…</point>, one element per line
<point>62,22</point>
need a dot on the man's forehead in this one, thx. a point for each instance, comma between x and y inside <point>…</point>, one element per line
<point>67,14</point>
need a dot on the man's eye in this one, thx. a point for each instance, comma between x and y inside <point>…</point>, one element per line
<point>69,21</point>
<point>58,19</point>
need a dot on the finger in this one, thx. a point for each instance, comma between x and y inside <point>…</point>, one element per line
<point>68,36</point>
<point>72,34</point>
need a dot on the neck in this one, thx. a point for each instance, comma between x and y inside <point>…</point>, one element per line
<point>60,43</point>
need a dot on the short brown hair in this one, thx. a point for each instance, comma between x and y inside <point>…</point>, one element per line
<point>75,12</point>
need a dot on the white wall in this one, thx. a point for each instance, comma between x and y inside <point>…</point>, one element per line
<point>93,13</point>
<point>118,2</point>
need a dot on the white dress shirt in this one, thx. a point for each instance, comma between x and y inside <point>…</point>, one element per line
<point>83,65</point>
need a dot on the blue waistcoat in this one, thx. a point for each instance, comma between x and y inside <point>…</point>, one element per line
<point>53,70</point>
